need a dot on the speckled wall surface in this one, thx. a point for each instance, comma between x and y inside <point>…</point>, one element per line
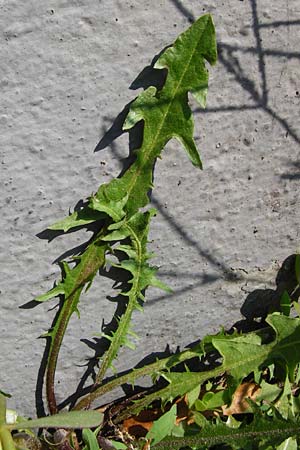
<point>219,234</point>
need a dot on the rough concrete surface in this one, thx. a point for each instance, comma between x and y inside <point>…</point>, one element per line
<point>219,234</point>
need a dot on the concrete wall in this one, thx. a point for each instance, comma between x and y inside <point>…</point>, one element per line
<point>219,234</point>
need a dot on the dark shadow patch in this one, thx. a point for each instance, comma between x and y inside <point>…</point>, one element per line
<point>149,76</point>
<point>294,175</point>
<point>185,12</point>
<point>261,302</point>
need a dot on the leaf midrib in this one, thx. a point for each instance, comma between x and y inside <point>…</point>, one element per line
<point>201,377</point>
<point>121,330</point>
<point>153,143</point>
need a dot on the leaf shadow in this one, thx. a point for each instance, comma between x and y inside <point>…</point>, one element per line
<point>185,12</point>
<point>257,305</point>
<point>252,307</point>
<point>294,175</point>
<point>149,76</point>
<point>260,302</point>
<point>80,208</point>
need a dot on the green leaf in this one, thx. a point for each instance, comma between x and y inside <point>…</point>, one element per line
<point>285,303</point>
<point>283,405</point>
<point>262,429</point>
<point>297,308</point>
<point>242,355</point>
<point>143,275</point>
<point>231,422</point>
<point>246,353</point>
<point>166,114</point>
<point>90,440</point>
<point>289,444</point>
<point>162,427</point>
<point>119,445</point>
<point>71,419</point>
<point>200,420</point>
<point>211,400</point>
<point>79,218</point>
<point>117,205</point>
<point>287,339</point>
<point>268,392</point>
<point>154,369</point>
<point>54,292</point>
<point>193,395</point>
<point>113,207</point>
<point>74,280</point>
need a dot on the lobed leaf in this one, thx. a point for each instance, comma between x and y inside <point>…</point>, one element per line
<point>79,218</point>
<point>166,114</point>
<point>241,355</point>
<point>136,229</point>
<point>116,207</point>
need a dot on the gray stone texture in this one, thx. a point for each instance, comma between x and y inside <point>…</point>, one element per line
<point>220,233</point>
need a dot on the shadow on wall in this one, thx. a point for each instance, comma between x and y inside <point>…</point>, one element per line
<point>259,100</point>
<point>259,302</point>
<point>228,56</point>
<point>294,175</point>
<point>255,309</point>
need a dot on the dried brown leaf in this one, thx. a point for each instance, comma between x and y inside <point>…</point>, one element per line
<point>239,404</point>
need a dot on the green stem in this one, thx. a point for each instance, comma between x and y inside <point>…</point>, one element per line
<point>117,341</point>
<point>159,365</point>
<point>232,436</point>
<point>56,341</point>
<point>144,402</point>
<point>97,258</point>
<point>2,409</point>
<point>170,391</point>
<point>6,440</point>
<point>133,375</point>
<point>124,321</point>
